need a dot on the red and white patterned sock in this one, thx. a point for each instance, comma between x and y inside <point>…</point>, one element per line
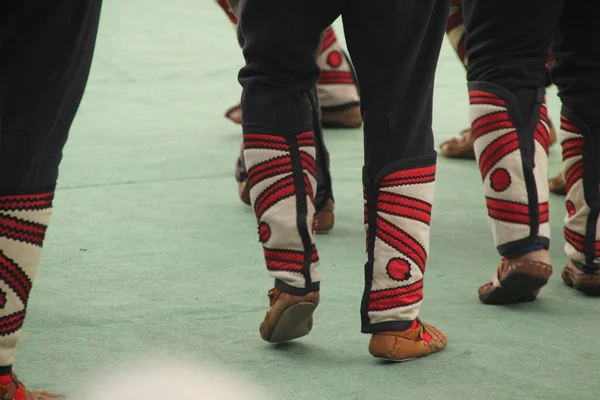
<point>398,210</point>
<point>579,168</point>
<point>515,180</point>
<point>281,172</point>
<point>336,86</point>
<point>24,218</point>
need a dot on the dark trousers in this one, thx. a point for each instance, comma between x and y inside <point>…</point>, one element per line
<point>394,46</point>
<point>45,55</point>
<point>507,44</point>
<point>396,87</point>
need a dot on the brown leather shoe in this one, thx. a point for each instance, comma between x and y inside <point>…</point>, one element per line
<point>244,191</point>
<point>330,118</point>
<point>459,147</point>
<point>16,391</point>
<point>518,280</point>
<point>462,146</point>
<point>586,282</point>
<point>234,114</point>
<point>325,218</point>
<point>341,118</point>
<point>557,185</point>
<point>289,317</point>
<point>420,340</point>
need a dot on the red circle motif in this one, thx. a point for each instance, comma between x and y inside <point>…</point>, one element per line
<point>398,269</point>
<point>264,232</point>
<point>334,59</point>
<point>500,180</point>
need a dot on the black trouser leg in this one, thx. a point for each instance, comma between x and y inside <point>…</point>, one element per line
<point>396,99</point>
<point>45,54</point>
<point>577,74</point>
<point>507,52</point>
<point>280,149</point>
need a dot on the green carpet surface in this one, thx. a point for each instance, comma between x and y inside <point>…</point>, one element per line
<point>150,249</point>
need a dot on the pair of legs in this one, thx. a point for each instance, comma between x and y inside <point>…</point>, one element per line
<point>45,56</point>
<point>507,52</point>
<point>399,169</point>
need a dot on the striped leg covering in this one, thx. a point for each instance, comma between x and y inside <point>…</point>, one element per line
<point>281,172</point>
<point>513,160</point>
<point>336,86</point>
<point>23,221</point>
<point>397,219</point>
<point>580,170</point>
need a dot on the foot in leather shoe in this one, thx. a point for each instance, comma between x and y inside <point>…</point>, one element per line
<point>234,114</point>
<point>459,147</point>
<point>518,279</point>
<point>325,218</point>
<point>244,191</point>
<point>462,145</point>
<point>289,317</point>
<point>341,118</point>
<point>420,340</point>
<point>17,391</point>
<point>557,185</point>
<point>587,282</point>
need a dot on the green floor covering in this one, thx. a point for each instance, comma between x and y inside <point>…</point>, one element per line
<point>150,248</point>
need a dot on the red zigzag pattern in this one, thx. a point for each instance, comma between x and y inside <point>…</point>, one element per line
<point>15,277</point>
<point>287,260</point>
<point>507,143</point>
<point>21,230</point>
<point>578,241</point>
<point>26,202</point>
<point>381,300</point>
<point>572,148</point>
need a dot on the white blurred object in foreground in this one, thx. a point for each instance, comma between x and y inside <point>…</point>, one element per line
<point>170,380</point>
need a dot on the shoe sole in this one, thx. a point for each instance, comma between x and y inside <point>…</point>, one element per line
<point>516,288</point>
<point>394,361</point>
<point>293,323</point>
<point>589,290</point>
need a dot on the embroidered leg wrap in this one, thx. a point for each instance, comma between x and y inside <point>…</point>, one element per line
<point>513,160</point>
<point>397,219</point>
<point>23,222</point>
<point>580,170</point>
<point>337,86</point>
<point>281,172</point>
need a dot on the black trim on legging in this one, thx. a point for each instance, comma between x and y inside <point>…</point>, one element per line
<point>372,194</point>
<point>525,133</point>
<point>519,245</point>
<point>324,187</point>
<point>301,207</point>
<point>390,326</point>
<point>285,288</point>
